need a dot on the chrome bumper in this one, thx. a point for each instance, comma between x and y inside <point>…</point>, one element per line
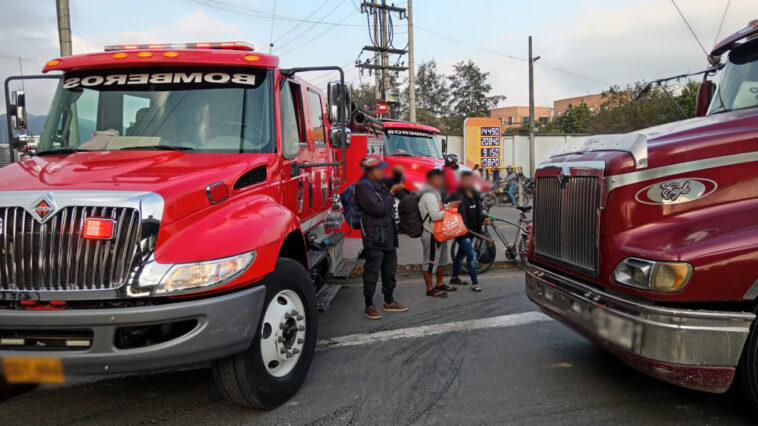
<point>674,336</point>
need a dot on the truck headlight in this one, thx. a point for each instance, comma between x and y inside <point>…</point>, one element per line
<point>664,277</point>
<point>187,277</point>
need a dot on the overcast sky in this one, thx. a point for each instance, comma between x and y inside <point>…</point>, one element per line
<point>598,42</point>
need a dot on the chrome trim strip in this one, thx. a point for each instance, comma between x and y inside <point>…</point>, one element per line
<point>617,181</point>
<point>566,167</point>
<point>149,204</point>
<point>311,223</point>
<point>671,335</point>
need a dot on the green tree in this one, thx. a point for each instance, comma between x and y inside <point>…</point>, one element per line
<point>432,93</point>
<point>363,95</point>
<point>469,95</point>
<point>576,119</point>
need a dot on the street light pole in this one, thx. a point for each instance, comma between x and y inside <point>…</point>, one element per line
<point>411,67</point>
<point>64,27</point>
<point>531,110</point>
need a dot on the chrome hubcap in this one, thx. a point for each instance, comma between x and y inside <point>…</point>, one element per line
<point>283,333</point>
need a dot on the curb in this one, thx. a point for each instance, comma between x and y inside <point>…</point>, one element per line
<point>415,269</point>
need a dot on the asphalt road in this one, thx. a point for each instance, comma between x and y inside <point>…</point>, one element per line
<point>515,367</point>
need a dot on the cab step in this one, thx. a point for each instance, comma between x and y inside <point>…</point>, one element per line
<point>345,268</point>
<point>325,295</point>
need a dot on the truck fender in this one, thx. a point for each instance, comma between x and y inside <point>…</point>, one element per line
<point>238,225</point>
<point>721,248</point>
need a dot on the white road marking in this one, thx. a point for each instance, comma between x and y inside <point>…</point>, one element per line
<point>432,330</point>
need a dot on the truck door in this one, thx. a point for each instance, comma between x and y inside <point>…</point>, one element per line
<point>295,182</point>
<point>320,177</point>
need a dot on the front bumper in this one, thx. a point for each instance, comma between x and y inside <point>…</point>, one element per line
<point>225,325</point>
<point>692,348</point>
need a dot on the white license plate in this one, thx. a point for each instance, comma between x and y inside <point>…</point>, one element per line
<point>615,329</point>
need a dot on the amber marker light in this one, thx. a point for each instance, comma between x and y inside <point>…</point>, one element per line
<point>251,58</point>
<point>171,54</point>
<point>54,62</point>
<point>120,55</point>
<point>144,54</point>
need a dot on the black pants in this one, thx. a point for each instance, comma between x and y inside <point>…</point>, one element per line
<point>379,260</point>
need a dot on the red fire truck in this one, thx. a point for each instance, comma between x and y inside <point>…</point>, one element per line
<point>172,213</point>
<point>648,242</point>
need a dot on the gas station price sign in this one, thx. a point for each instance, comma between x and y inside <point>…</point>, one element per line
<point>481,136</point>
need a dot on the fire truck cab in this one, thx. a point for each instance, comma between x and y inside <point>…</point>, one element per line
<point>648,242</point>
<point>172,214</point>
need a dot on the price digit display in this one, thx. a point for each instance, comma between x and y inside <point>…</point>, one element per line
<point>490,131</point>
<point>491,152</point>
<point>490,141</point>
<point>490,162</point>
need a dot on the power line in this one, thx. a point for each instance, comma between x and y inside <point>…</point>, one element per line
<point>320,34</point>
<point>228,7</point>
<point>300,23</point>
<point>690,28</point>
<point>722,21</point>
<point>505,55</point>
<point>302,33</point>
<point>271,37</point>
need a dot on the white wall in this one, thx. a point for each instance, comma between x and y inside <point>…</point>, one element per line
<point>515,148</point>
<point>454,144</point>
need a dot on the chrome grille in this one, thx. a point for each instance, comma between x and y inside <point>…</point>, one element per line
<point>565,221</point>
<point>53,256</point>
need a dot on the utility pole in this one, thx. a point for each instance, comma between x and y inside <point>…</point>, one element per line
<point>382,48</point>
<point>64,27</point>
<point>385,56</point>
<point>531,109</point>
<point>411,67</point>
<point>377,56</point>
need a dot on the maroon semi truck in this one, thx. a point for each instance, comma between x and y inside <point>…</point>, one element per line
<point>648,242</point>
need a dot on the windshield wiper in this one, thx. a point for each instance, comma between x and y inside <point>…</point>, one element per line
<point>158,148</point>
<point>60,151</point>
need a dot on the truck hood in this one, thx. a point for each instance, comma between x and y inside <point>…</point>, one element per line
<point>717,135</point>
<point>179,177</point>
<point>415,168</point>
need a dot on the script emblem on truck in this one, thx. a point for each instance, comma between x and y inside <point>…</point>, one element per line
<point>43,208</point>
<point>676,191</point>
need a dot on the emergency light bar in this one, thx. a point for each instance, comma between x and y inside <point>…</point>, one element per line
<point>228,45</point>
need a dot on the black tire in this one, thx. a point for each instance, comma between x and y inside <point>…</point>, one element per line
<point>485,254</point>
<point>747,371</point>
<point>243,378</point>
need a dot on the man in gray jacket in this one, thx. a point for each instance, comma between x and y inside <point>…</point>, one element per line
<point>435,253</point>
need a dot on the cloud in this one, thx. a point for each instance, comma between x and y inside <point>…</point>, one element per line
<point>614,42</point>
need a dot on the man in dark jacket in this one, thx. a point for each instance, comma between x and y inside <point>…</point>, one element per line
<point>472,212</point>
<point>375,199</point>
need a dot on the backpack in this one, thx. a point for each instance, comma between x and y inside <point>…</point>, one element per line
<point>350,209</point>
<point>410,216</point>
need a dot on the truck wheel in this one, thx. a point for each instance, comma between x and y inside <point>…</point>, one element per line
<point>748,368</point>
<point>274,367</point>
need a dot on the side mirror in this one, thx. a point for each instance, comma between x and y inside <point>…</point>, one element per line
<point>18,109</point>
<point>338,95</point>
<point>444,146</point>
<point>339,137</point>
<point>704,95</point>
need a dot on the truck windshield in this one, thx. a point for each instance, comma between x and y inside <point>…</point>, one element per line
<point>738,88</point>
<point>412,143</point>
<point>226,111</point>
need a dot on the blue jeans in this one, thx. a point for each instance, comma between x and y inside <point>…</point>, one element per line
<point>465,249</point>
<point>512,193</point>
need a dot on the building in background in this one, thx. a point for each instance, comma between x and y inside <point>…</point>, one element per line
<point>593,101</point>
<point>517,116</point>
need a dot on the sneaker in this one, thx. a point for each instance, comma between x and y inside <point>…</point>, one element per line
<point>394,307</point>
<point>372,313</point>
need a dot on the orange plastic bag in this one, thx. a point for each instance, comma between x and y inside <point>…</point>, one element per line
<point>450,227</point>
